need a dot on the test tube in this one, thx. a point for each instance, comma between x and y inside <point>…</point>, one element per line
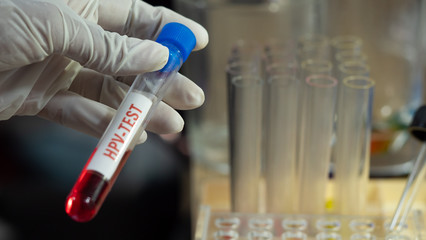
<point>346,43</point>
<point>348,55</point>
<point>245,109</point>
<point>313,47</point>
<point>281,142</point>
<point>245,59</point>
<point>315,66</point>
<point>245,51</point>
<point>313,39</point>
<point>352,147</point>
<point>314,52</point>
<point>279,46</point>
<point>119,139</point>
<point>316,141</point>
<point>280,64</point>
<point>353,68</point>
<point>416,178</point>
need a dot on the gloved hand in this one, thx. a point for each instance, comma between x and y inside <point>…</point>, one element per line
<point>61,61</point>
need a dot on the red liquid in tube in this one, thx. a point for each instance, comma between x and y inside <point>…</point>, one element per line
<point>89,193</point>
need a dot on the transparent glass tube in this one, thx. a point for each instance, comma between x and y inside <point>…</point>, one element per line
<point>281,136</point>
<point>353,68</point>
<point>313,40</point>
<point>245,109</point>
<point>280,47</point>
<point>245,51</point>
<point>310,67</point>
<point>314,52</point>
<point>411,189</point>
<point>319,99</point>
<point>281,64</point>
<point>352,147</point>
<point>315,66</point>
<point>119,139</point>
<point>348,55</point>
<point>346,43</point>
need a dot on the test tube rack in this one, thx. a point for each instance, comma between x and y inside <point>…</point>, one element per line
<point>214,225</point>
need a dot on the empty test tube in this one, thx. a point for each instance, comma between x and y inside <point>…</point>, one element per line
<point>346,43</point>
<point>281,64</point>
<point>313,47</point>
<point>314,52</point>
<point>279,47</point>
<point>315,66</point>
<point>244,60</point>
<point>246,51</point>
<point>281,140</point>
<point>313,40</point>
<point>353,68</point>
<point>415,179</point>
<point>352,147</point>
<point>245,109</point>
<point>348,55</point>
<point>319,99</point>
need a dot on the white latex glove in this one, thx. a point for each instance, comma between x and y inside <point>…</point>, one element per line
<point>59,60</point>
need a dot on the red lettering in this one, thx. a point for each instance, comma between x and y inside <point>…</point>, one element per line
<point>112,149</point>
<point>122,126</point>
<point>113,145</point>
<point>111,154</point>
<point>128,121</point>
<point>118,138</point>
<point>133,107</point>
<point>131,114</point>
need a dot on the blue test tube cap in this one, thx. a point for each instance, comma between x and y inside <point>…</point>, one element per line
<point>180,36</point>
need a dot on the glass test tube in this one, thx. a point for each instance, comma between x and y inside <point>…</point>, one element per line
<point>313,47</point>
<point>353,68</point>
<point>315,66</point>
<point>414,181</point>
<point>281,140</point>
<point>352,147</point>
<point>348,55</point>
<point>246,51</point>
<point>281,64</point>
<point>245,134</point>
<point>314,52</point>
<point>313,39</point>
<point>316,141</point>
<point>244,60</point>
<point>283,48</point>
<point>346,43</point>
<point>119,139</point>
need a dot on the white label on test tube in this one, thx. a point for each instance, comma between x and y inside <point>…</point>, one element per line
<point>119,134</point>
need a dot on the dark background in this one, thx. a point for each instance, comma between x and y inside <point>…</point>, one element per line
<point>40,161</point>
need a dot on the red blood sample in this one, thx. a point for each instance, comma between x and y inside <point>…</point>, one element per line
<point>89,193</point>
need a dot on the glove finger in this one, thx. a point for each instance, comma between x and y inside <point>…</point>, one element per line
<point>99,87</point>
<point>106,90</point>
<point>146,22</point>
<point>114,54</point>
<point>184,94</point>
<point>104,51</point>
<point>84,115</point>
<point>165,120</point>
<point>51,27</point>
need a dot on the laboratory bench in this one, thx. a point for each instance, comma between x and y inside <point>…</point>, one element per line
<point>383,195</point>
